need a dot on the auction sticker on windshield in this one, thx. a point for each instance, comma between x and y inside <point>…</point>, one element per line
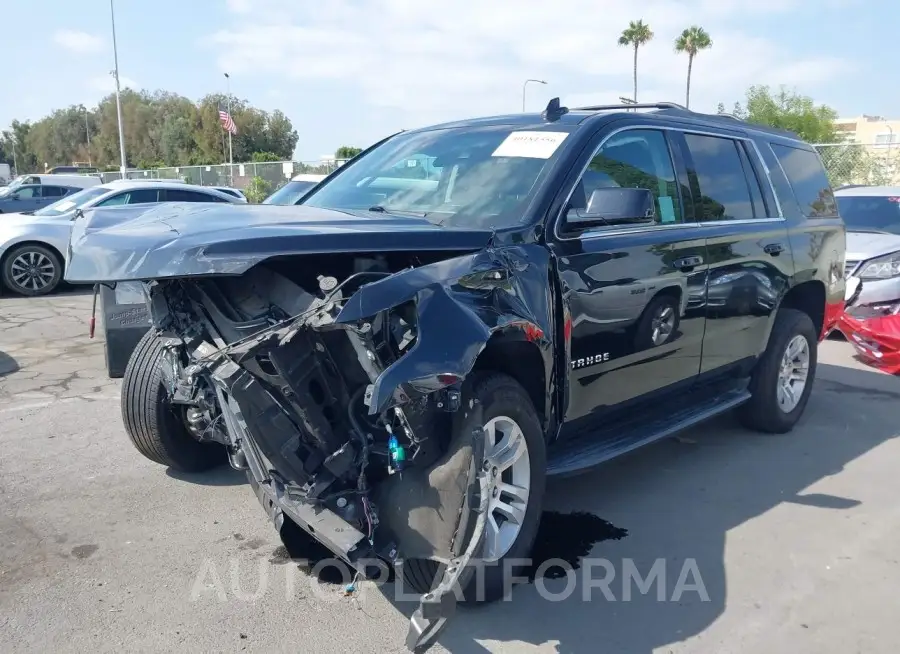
<point>534,145</point>
<point>65,205</point>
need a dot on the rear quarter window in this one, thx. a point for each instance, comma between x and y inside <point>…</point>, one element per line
<point>806,175</point>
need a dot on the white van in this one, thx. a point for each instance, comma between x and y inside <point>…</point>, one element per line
<point>78,181</point>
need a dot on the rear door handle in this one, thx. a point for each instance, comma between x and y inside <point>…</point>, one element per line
<point>774,249</point>
<point>688,263</point>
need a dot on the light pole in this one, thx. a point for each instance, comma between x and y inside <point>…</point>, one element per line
<point>87,131</point>
<point>15,162</point>
<point>230,151</point>
<point>525,86</point>
<point>115,74</point>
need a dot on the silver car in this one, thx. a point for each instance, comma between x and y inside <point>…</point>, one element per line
<point>872,216</point>
<point>32,245</point>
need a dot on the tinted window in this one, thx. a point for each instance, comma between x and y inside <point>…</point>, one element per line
<point>54,191</point>
<point>717,176</point>
<point>180,195</point>
<point>633,159</point>
<point>143,196</point>
<point>876,214</point>
<point>230,192</point>
<point>807,177</point>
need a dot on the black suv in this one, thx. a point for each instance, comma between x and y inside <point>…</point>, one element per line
<point>399,361</point>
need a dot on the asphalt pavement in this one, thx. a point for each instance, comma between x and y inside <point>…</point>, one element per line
<point>761,543</point>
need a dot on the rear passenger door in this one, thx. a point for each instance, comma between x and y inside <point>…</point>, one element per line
<point>747,245</point>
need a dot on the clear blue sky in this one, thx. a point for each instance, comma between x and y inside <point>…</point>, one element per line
<point>351,71</point>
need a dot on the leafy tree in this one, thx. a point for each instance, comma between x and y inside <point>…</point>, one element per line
<point>692,41</point>
<point>789,110</point>
<point>346,152</point>
<point>159,127</point>
<point>262,157</point>
<point>637,34</point>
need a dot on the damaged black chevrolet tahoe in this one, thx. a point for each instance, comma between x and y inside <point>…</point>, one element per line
<point>400,361</point>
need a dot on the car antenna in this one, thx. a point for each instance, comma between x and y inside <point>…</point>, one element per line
<point>554,111</point>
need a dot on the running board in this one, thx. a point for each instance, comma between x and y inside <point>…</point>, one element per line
<point>579,454</point>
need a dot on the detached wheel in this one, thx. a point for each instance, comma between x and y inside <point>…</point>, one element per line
<point>156,428</point>
<point>32,270</point>
<point>784,376</point>
<point>516,450</point>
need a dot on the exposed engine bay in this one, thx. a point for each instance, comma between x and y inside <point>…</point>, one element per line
<point>289,368</point>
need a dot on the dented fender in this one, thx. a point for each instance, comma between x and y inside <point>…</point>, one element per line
<point>461,304</point>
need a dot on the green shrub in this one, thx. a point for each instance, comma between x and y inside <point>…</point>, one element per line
<point>257,190</point>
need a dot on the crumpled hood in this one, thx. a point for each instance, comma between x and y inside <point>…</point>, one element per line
<point>866,245</point>
<point>183,239</point>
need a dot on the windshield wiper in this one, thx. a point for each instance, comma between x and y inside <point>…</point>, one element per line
<point>380,209</point>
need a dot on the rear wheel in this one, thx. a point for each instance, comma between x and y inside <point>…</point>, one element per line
<point>516,453</point>
<point>784,375</point>
<point>156,428</point>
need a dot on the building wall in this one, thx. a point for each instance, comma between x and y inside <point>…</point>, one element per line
<point>870,130</point>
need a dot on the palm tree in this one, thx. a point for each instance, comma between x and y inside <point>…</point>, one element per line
<point>692,40</point>
<point>637,34</point>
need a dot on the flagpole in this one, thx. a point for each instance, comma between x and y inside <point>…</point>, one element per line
<point>230,151</point>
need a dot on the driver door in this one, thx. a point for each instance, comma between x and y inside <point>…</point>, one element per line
<point>632,293</point>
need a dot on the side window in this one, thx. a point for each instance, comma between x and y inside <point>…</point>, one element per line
<point>180,195</point>
<point>121,198</point>
<point>717,176</point>
<point>28,192</point>
<point>54,191</point>
<point>637,158</point>
<point>759,204</point>
<point>807,178</point>
<point>143,196</point>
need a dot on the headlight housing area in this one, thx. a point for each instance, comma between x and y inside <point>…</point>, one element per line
<point>884,267</point>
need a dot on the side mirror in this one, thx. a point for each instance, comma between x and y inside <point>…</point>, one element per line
<point>14,196</point>
<point>615,206</point>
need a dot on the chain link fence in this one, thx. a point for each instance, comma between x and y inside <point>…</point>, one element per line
<point>275,173</point>
<point>861,163</point>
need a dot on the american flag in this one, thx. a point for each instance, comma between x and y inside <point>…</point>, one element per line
<point>227,121</point>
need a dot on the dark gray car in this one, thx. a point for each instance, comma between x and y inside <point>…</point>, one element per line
<point>31,197</point>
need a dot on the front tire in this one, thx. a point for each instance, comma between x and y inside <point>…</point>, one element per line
<point>154,427</point>
<point>515,445</point>
<point>32,270</point>
<point>784,375</point>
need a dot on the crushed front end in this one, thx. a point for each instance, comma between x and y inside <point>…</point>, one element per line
<point>347,404</point>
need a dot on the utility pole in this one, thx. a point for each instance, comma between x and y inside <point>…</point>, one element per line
<point>15,162</point>
<point>87,130</point>
<point>115,73</point>
<point>230,151</point>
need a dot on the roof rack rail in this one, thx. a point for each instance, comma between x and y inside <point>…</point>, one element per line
<point>638,105</point>
<point>725,114</point>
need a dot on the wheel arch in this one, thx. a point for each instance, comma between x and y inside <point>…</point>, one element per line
<point>810,298</point>
<point>513,352</point>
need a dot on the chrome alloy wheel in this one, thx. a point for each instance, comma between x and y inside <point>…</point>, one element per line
<point>32,271</point>
<point>509,470</point>
<point>793,374</point>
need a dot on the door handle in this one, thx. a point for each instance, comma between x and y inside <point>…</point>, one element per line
<point>774,249</point>
<point>687,263</point>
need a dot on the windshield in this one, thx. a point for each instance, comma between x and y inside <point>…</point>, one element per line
<point>870,213</point>
<point>72,202</point>
<point>480,177</point>
<point>13,185</point>
<point>289,193</point>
